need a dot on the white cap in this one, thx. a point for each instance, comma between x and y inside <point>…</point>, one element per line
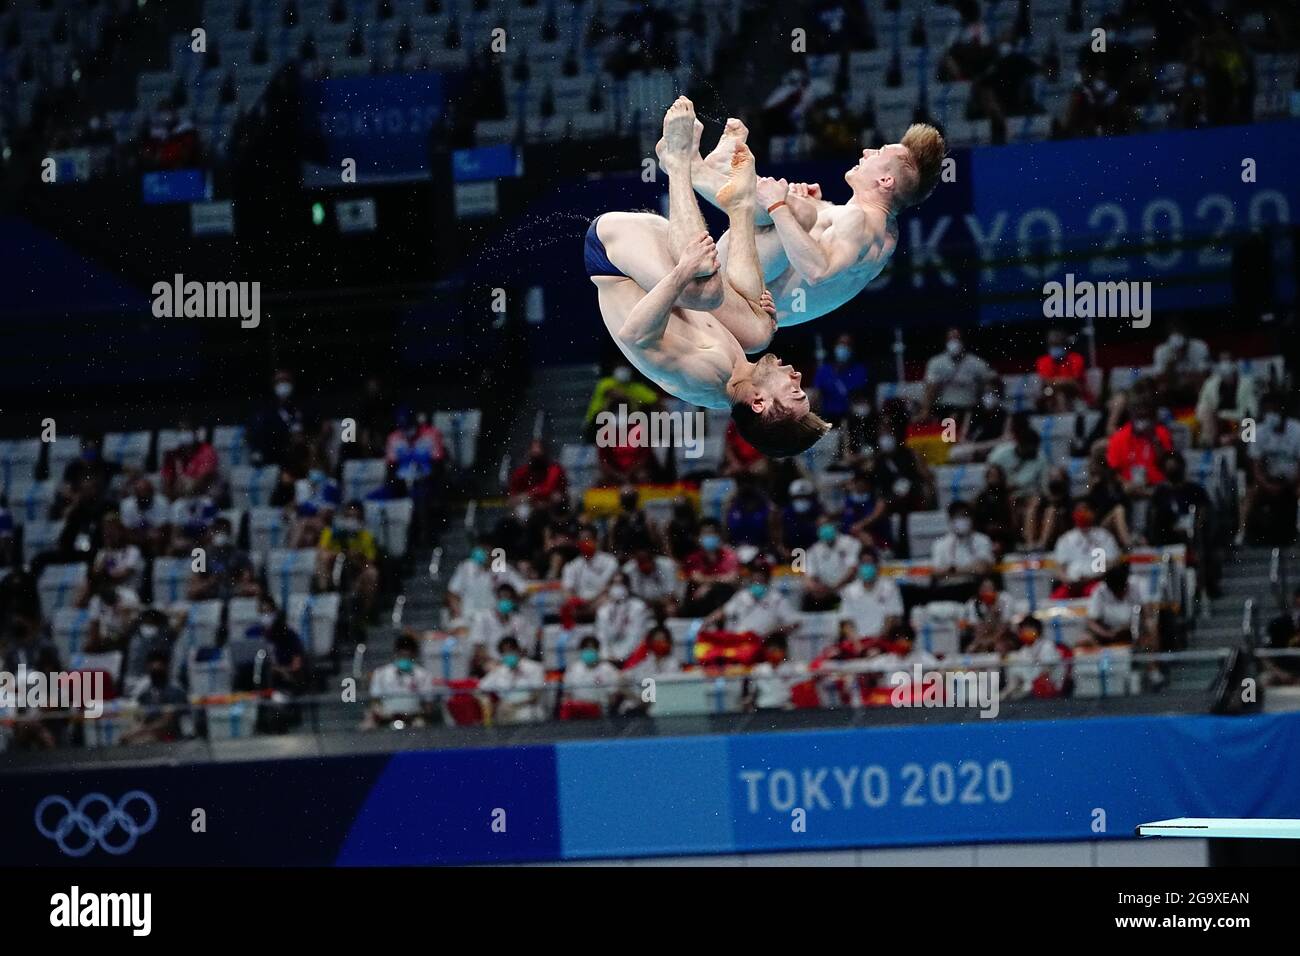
<point>800,487</point>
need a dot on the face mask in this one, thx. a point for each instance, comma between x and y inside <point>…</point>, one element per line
<point>478,556</point>
<point>775,657</point>
<point>405,665</point>
<point>1177,340</point>
<point>148,632</point>
<point>989,598</point>
<point>961,526</point>
<point>590,655</point>
<point>990,400</point>
<point>709,542</point>
<point>954,347</point>
<point>661,648</point>
<point>1142,425</point>
<point>618,592</point>
<point>843,353</point>
<point>266,620</point>
<point>826,532</point>
<point>1226,369</point>
<point>758,591</point>
<point>1057,352</point>
<point>283,390</point>
<point>622,375</point>
<point>510,660</point>
<point>347,525</point>
<point>801,505</point>
<point>524,512</point>
<point>1082,520</point>
<point>220,539</point>
<point>888,443</point>
<point>862,411</point>
<point>506,606</point>
<point>586,548</point>
<point>867,572</point>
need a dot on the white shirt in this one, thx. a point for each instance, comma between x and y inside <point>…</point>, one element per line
<point>829,563</point>
<point>962,553</point>
<point>515,688</point>
<point>1110,611</point>
<point>621,626</point>
<point>476,586</point>
<point>117,560</point>
<point>1196,357</point>
<point>1025,664</point>
<point>114,621</point>
<point>869,607</point>
<point>586,578</point>
<point>660,584</point>
<point>763,617</point>
<point>1074,552</point>
<point>488,627</point>
<point>1280,451</point>
<point>395,692</point>
<point>960,383</point>
<point>593,683</point>
<point>134,518</point>
<point>772,684</point>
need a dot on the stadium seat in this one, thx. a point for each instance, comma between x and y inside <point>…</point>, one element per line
<point>31,500</point>
<point>127,449</point>
<point>228,440</point>
<point>18,458</point>
<point>170,579</point>
<point>957,483</point>
<point>289,572</point>
<point>251,486</point>
<point>1104,673</point>
<point>937,627</point>
<point>241,614</point>
<point>1021,392</point>
<point>924,528</point>
<point>390,522</point>
<point>39,536</point>
<point>460,431</point>
<point>58,585</point>
<point>314,617</point>
<point>201,622</point>
<point>68,628</point>
<point>268,529</point>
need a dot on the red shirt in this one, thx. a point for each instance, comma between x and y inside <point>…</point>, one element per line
<point>541,484</point>
<point>744,452</point>
<point>1070,366</point>
<point>1127,450</point>
<point>199,463</point>
<point>722,561</point>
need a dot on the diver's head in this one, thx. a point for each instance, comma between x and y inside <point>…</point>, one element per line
<point>771,409</point>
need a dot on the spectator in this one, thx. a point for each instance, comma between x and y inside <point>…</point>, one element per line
<point>152,634</point>
<point>838,380</point>
<point>871,603</point>
<point>1108,500</point>
<point>739,457</point>
<point>1180,364</point>
<point>1137,450</point>
<point>587,579</point>
<point>771,680</point>
<point>630,529</point>
<point>1227,398</point>
<point>1084,552</point>
<point>983,428</point>
<point>227,569</point>
<point>473,588</point>
<point>1035,668</point>
<point>348,537</point>
<point>1180,512</point>
<point>1111,606</point>
<point>651,660</point>
<point>1049,517</point>
<point>162,705</point>
<point>830,564</point>
<point>960,555</point>
<point>620,387</point>
<point>190,469</point>
<point>1022,461</point>
<point>559,535</point>
<point>146,517</point>
<point>92,464</point>
<point>654,579</point>
<point>401,691</point>
<point>712,572</point>
<point>799,519</point>
<point>1095,107</point>
<point>632,462</point>
<point>994,511</point>
<point>519,534</point>
<point>418,456</point>
<point>538,477</point>
<point>987,618</point>
<point>1063,375</point>
<point>509,616</point>
<point>112,611</point>
<point>757,609</point>
<point>621,620</point>
<point>117,562</point>
<point>516,686</point>
<point>190,520</point>
<point>274,429</point>
<point>1275,463</point>
<point>954,379</point>
<point>749,515</point>
<point>1284,634</point>
<point>900,476</point>
<point>590,683</point>
<point>682,532</point>
<point>287,658</point>
<point>866,512</point>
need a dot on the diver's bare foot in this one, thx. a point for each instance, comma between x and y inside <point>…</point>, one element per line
<point>734,132</point>
<point>674,149</point>
<point>741,179</point>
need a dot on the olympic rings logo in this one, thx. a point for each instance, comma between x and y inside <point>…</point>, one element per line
<point>100,826</point>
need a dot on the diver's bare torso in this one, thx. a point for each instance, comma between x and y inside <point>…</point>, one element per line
<point>692,361</point>
<point>799,301</point>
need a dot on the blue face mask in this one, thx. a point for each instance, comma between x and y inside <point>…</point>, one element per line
<point>826,532</point>
<point>590,655</point>
<point>843,353</point>
<point>510,660</point>
<point>479,556</point>
<point>758,591</point>
<point>506,606</point>
<point>867,572</point>
<point>405,665</point>
<point>710,542</point>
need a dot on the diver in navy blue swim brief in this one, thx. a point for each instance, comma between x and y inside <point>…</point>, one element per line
<point>594,255</point>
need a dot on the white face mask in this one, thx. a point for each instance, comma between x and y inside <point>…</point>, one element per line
<point>220,540</point>
<point>954,347</point>
<point>961,526</point>
<point>990,400</point>
<point>524,512</point>
<point>1177,340</point>
<point>888,443</point>
<point>622,375</point>
<point>801,505</point>
<point>148,631</point>
<point>618,592</point>
<point>1226,369</point>
<point>283,390</point>
<point>266,620</point>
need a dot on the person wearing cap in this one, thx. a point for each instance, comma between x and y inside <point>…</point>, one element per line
<point>799,518</point>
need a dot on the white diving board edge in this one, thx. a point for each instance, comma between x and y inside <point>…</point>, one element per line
<point>1206,827</point>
